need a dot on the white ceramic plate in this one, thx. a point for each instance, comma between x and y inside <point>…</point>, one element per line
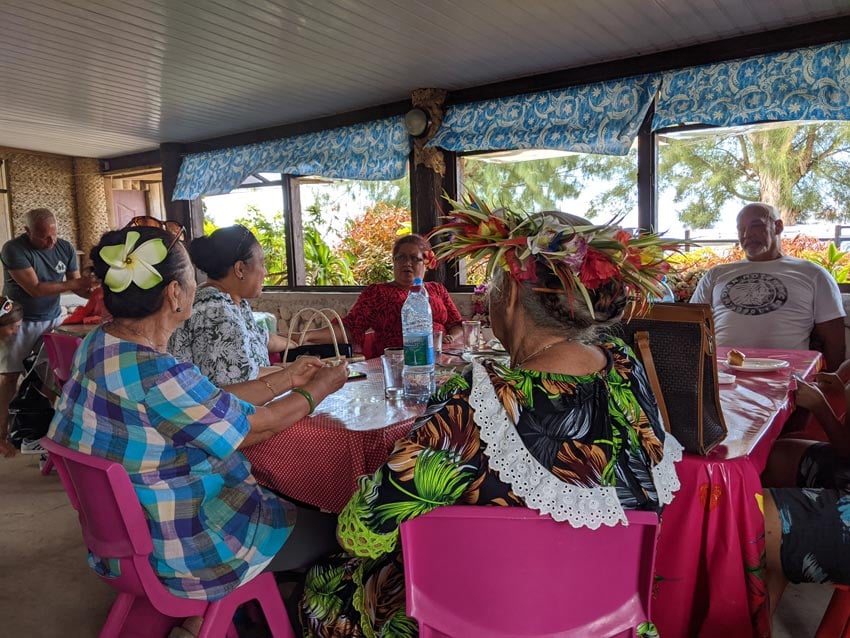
<point>725,377</point>
<point>752,364</point>
<point>498,356</point>
<point>495,344</point>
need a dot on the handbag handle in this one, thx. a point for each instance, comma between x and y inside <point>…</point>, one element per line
<point>322,313</point>
<point>642,343</point>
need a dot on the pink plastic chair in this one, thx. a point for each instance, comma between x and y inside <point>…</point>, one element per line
<point>114,527</point>
<point>835,622</point>
<point>507,572</point>
<point>60,353</point>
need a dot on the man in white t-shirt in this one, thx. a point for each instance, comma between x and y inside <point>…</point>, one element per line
<point>770,300</point>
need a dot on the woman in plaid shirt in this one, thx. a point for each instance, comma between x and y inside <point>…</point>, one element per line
<point>178,435</point>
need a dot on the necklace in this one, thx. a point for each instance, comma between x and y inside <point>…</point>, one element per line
<point>135,332</point>
<point>519,364</point>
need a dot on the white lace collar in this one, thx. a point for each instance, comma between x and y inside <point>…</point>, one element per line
<point>542,490</point>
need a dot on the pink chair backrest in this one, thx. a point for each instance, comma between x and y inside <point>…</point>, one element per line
<point>60,353</point>
<point>114,525</point>
<point>508,572</point>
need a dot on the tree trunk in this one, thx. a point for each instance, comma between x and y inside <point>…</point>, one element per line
<point>770,192</point>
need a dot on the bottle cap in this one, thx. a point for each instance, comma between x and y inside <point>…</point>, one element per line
<point>417,281</point>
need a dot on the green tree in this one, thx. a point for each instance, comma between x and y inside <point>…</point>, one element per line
<point>270,231</point>
<point>323,266</point>
<point>802,169</point>
<point>395,193</point>
<point>528,185</point>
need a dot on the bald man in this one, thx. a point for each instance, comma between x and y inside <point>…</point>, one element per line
<point>38,267</point>
<point>770,300</point>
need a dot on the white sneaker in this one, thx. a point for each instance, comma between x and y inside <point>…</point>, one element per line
<point>32,446</point>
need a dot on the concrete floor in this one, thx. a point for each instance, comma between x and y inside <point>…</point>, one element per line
<point>47,591</point>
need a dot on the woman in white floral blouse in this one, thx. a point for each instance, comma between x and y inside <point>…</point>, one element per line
<point>221,337</point>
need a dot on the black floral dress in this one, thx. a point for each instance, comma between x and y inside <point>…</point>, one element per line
<point>512,437</point>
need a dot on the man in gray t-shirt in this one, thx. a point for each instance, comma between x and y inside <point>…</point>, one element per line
<point>38,267</point>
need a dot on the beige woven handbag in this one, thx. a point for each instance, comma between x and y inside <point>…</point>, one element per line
<point>319,318</point>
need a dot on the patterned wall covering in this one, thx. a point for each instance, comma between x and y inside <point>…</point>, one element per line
<point>42,181</point>
<point>593,118</point>
<point>804,84</point>
<point>92,213</point>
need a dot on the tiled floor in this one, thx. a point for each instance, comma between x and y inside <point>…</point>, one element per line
<point>46,590</point>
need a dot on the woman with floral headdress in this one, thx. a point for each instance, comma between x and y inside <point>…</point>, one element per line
<point>378,307</point>
<point>572,406</point>
<point>179,436</point>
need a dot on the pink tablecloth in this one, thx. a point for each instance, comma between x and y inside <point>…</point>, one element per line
<point>319,458</point>
<point>710,561</point>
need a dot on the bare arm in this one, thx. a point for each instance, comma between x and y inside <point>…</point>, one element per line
<point>830,334</point>
<point>269,386</point>
<point>278,343</point>
<point>320,335</point>
<point>810,397</point>
<point>28,280</point>
<point>280,414</point>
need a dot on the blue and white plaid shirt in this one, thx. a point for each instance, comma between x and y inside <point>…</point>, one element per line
<point>176,434</point>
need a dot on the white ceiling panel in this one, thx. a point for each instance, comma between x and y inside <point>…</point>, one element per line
<point>100,78</point>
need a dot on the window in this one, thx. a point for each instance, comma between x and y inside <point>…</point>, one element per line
<point>705,176</point>
<point>597,187</point>
<point>342,230</point>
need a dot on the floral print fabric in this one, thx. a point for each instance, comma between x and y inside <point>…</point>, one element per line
<point>221,338</point>
<point>379,307</point>
<point>600,429</point>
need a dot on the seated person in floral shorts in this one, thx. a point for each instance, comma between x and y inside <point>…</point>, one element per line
<point>807,505</point>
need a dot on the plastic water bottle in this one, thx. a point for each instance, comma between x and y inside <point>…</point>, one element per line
<point>668,296</point>
<point>417,329</point>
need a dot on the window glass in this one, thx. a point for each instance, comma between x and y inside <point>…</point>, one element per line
<point>261,210</point>
<point>705,176</point>
<point>348,226</point>
<point>597,187</point>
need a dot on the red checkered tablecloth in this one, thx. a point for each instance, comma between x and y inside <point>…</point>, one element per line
<point>352,432</point>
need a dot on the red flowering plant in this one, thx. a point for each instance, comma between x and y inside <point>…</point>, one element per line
<point>430,260</point>
<point>583,257</point>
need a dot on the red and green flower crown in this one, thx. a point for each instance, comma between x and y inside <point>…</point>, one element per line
<point>582,257</point>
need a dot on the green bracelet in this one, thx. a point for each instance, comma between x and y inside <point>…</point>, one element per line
<point>307,396</point>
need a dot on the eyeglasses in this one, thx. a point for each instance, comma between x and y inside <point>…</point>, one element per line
<point>168,226</point>
<point>7,306</point>
<point>405,259</point>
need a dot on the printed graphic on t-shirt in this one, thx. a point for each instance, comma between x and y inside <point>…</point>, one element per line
<point>60,267</point>
<point>755,293</point>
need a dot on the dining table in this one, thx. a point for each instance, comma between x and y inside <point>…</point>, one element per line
<point>319,458</point>
<point>710,559</point>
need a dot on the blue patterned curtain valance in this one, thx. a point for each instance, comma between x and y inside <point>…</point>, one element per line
<point>371,150</point>
<point>804,84</point>
<point>594,118</point>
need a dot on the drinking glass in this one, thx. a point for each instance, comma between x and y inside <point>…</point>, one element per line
<point>438,344</point>
<point>471,335</point>
<point>392,362</point>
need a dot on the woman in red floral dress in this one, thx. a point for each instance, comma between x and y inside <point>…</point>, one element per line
<point>378,307</point>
